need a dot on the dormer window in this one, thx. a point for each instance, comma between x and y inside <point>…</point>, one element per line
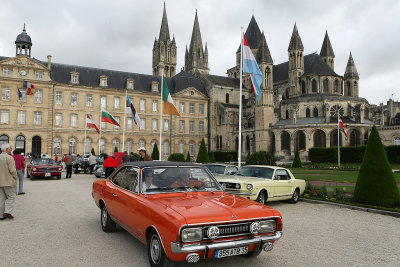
<point>75,77</point>
<point>129,84</point>
<point>103,81</point>
<point>154,87</point>
<point>6,71</point>
<point>39,74</point>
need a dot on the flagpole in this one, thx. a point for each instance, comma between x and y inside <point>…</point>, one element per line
<point>161,110</point>
<point>84,140</point>
<point>100,128</point>
<point>338,140</point>
<point>123,130</point>
<point>240,99</point>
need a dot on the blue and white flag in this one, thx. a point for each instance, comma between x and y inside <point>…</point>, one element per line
<point>250,66</point>
<point>131,110</point>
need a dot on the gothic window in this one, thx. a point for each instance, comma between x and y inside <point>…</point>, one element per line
<point>308,113</point>
<point>314,86</point>
<point>303,87</point>
<point>335,110</point>
<point>227,98</point>
<point>326,86</point>
<point>336,86</point>
<point>315,112</point>
<point>348,87</point>
<point>285,141</point>
<point>354,138</point>
<point>247,143</point>
<point>319,138</point>
<point>287,114</point>
<point>300,141</point>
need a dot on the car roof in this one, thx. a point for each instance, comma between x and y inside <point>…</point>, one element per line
<point>143,164</point>
<point>218,164</point>
<point>265,166</point>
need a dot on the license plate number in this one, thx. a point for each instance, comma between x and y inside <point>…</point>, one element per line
<point>47,174</point>
<point>230,252</point>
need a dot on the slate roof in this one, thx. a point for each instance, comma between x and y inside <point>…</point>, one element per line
<point>223,81</point>
<point>253,34</point>
<point>326,49</point>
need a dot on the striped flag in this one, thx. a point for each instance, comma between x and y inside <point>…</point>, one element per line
<point>341,125</point>
<point>90,123</point>
<point>130,109</point>
<point>169,106</point>
<point>107,117</point>
<point>250,66</point>
<point>29,87</point>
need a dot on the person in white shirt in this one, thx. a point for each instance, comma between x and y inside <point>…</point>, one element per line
<point>147,180</point>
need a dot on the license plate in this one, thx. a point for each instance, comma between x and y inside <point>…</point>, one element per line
<point>47,174</point>
<point>230,252</point>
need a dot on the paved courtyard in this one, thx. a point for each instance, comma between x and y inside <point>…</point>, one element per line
<point>57,224</point>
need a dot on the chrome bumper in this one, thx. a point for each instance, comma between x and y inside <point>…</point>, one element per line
<point>177,248</point>
<point>241,193</point>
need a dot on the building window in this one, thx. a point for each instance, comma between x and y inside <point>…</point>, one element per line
<point>39,75</point>
<point>181,126</point>
<point>21,117</point>
<point>307,113</point>
<point>201,126</point>
<point>142,143</point>
<point>115,143</point>
<point>326,86</point>
<point>155,105</point>
<point>129,124</point>
<point>57,146</point>
<point>102,125</point>
<point>336,87</point>
<point>72,146</point>
<point>154,124</point>
<point>6,71</point>
<point>75,79</point>
<point>314,86</point>
<point>5,94</point>
<point>181,107</point>
<point>166,125</point>
<point>142,124</point>
<point>227,98</point>
<point>128,146</point>
<point>88,146</point>
<point>103,101</point>
<point>58,119</point>
<point>37,118</point>
<point>201,109</point>
<point>191,108</point>
<point>58,98</point>
<point>23,93</point>
<point>38,96</point>
<point>191,149</point>
<point>117,119</point>
<point>303,87</point>
<point>5,116</point>
<point>155,87</point>
<point>181,147</point>
<point>129,85</point>
<point>396,141</point>
<point>191,126</point>
<point>74,119</point>
<point>142,104</point>
<point>116,102</point>
<point>74,99</point>
<point>89,99</point>
<point>103,82</point>
<point>315,112</point>
<point>102,146</point>
<point>166,148</point>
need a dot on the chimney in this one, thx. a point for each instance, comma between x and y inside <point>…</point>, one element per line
<point>49,62</point>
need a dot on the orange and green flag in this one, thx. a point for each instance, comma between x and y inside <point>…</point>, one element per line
<point>169,106</point>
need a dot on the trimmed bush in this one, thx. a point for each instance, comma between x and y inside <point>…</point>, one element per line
<point>93,152</point>
<point>188,159</point>
<point>296,161</point>
<point>137,156</point>
<point>225,156</point>
<point>115,149</point>
<point>176,157</point>
<point>375,183</point>
<point>155,154</point>
<point>212,157</point>
<point>202,156</point>
<point>393,152</point>
<point>261,158</point>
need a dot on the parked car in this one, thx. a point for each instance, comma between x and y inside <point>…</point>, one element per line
<point>216,168</point>
<point>98,169</point>
<point>81,164</point>
<point>180,212</point>
<point>263,183</point>
<point>43,167</point>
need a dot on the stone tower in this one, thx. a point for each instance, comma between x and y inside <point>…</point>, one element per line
<point>164,51</point>
<point>351,78</point>
<point>23,44</point>
<point>296,62</point>
<point>326,52</point>
<point>196,58</point>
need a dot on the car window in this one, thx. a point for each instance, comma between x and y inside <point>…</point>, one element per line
<point>218,169</point>
<point>232,169</point>
<point>282,175</point>
<point>259,172</point>
<point>127,178</point>
<point>42,162</point>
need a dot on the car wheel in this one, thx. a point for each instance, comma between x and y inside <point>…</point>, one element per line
<point>155,250</point>
<point>107,224</point>
<point>87,171</point>
<point>295,196</point>
<point>262,197</point>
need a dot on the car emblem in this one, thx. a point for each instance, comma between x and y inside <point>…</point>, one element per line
<point>213,232</point>
<point>234,216</point>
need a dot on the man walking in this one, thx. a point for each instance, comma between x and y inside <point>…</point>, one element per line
<point>8,182</point>
<point>20,166</point>
<point>92,162</point>
<point>68,164</point>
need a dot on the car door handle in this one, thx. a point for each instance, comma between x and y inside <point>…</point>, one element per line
<point>114,195</point>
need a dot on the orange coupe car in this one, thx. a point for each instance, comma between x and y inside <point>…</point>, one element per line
<point>181,213</point>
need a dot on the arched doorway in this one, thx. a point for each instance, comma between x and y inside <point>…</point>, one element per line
<point>300,141</point>
<point>354,138</point>
<point>272,146</point>
<point>319,138</point>
<point>285,142</point>
<point>20,143</point>
<point>334,138</point>
<point>36,146</point>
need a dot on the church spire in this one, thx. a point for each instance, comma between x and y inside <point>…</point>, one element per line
<point>326,52</point>
<point>164,30</point>
<point>295,40</point>
<point>196,42</point>
<point>351,78</point>
<point>351,70</point>
<point>263,53</point>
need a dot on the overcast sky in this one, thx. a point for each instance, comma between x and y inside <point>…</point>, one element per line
<point>119,34</point>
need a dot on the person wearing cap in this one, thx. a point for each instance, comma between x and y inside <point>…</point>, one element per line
<point>143,154</point>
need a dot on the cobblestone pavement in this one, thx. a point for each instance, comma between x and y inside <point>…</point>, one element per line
<point>57,224</point>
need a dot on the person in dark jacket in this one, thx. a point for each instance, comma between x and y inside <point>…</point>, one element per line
<point>132,157</point>
<point>125,158</point>
<point>143,154</point>
<point>109,165</point>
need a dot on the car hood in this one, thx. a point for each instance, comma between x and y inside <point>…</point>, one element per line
<point>239,179</point>
<point>205,207</point>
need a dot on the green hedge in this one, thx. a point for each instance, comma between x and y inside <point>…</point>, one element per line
<point>225,156</point>
<point>176,157</point>
<point>393,152</point>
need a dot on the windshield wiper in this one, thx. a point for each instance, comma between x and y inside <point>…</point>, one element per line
<point>182,188</point>
<point>159,189</point>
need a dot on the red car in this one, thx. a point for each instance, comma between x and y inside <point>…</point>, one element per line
<point>43,168</point>
<point>180,212</point>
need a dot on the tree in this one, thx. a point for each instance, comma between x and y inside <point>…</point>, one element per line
<point>375,183</point>
<point>155,154</point>
<point>212,158</point>
<point>115,149</point>
<point>188,159</point>
<point>296,161</point>
<point>202,156</point>
<point>94,154</point>
<point>248,156</point>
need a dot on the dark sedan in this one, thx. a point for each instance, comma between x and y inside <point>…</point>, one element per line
<point>43,168</point>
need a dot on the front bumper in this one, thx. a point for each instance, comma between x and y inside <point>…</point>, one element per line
<point>177,248</point>
<point>239,193</point>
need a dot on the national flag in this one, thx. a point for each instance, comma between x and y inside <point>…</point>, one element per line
<point>90,123</point>
<point>250,66</point>
<point>19,94</point>
<point>169,106</point>
<point>341,125</point>
<point>130,109</point>
<point>29,87</point>
<point>107,117</point>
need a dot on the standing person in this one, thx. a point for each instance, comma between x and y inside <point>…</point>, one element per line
<point>125,158</point>
<point>8,182</point>
<point>92,162</point>
<point>132,157</point>
<point>56,158</point>
<point>109,165</point>
<point>143,154</point>
<point>20,166</point>
<point>68,164</point>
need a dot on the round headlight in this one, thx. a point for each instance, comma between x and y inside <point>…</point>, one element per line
<point>34,169</point>
<point>213,232</point>
<point>237,186</point>
<point>249,187</point>
<point>255,228</point>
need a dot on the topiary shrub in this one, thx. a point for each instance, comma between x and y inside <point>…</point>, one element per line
<point>261,158</point>
<point>202,156</point>
<point>155,154</point>
<point>137,156</point>
<point>93,152</point>
<point>225,156</point>
<point>392,153</point>
<point>212,157</point>
<point>188,159</point>
<point>296,161</point>
<point>248,156</point>
<point>176,157</point>
<point>375,183</point>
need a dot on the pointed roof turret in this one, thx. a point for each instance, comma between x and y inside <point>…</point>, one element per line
<point>206,49</point>
<point>263,54</point>
<point>326,49</point>
<point>351,70</point>
<point>164,30</point>
<point>253,34</point>
<point>295,40</point>
<point>195,42</point>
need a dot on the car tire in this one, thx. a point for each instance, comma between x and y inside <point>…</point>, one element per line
<point>98,176</point>
<point>252,254</point>
<point>262,197</point>
<point>295,196</point>
<point>87,171</point>
<point>107,224</point>
<point>155,251</point>
<point>33,177</point>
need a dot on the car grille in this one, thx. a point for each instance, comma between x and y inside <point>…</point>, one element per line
<point>228,230</point>
<point>44,169</point>
<point>230,186</point>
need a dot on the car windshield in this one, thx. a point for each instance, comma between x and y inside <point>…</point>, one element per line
<point>261,172</point>
<point>177,179</point>
<point>42,162</point>
<point>218,169</point>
